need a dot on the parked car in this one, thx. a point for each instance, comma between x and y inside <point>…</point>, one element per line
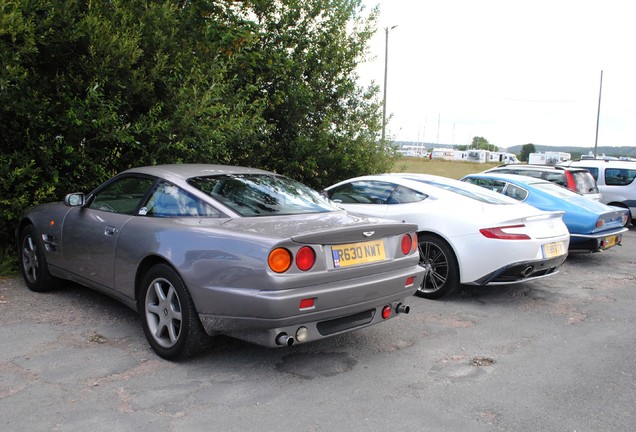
<point>593,226</point>
<point>615,179</point>
<point>205,249</point>
<point>467,235</point>
<point>574,178</point>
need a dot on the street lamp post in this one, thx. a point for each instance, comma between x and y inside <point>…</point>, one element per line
<point>386,66</point>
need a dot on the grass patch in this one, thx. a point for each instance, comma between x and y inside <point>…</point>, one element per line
<point>451,169</point>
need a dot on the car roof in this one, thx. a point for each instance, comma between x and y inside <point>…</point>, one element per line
<point>186,171</point>
<point>512,178</point>
<point>581,163</point>
<point>536,167</point>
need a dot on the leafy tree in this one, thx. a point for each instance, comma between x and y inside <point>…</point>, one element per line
<point>88,89</point>
<point>482,143</point>
<point>526,149</point>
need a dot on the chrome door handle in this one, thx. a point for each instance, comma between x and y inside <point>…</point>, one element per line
<point>110,230</point>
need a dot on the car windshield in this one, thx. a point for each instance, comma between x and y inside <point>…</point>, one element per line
<point>471,191</point>
<point>262,194</point>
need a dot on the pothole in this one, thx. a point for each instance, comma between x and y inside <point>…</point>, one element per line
<point>482,361</point>
<point>310,366</point>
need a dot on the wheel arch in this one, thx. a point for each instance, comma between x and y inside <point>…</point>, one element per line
<point>146,264</point>
<point>449,244</point>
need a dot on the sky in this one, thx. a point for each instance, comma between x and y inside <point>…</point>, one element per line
<point>513,72</point>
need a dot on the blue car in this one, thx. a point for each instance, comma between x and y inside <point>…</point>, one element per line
<point>593,226</point>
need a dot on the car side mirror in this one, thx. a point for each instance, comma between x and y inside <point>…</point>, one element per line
<point>76,199</point>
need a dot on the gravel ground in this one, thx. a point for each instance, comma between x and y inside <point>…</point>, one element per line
<point>555,354</point>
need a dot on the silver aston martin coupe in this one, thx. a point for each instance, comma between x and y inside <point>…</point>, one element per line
<point>202,250</point>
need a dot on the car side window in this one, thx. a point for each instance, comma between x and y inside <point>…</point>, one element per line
<point>122,195</point>
<point>619,176</point>
<point>515,192</point>
<point>362,192</point>
<point>529,173</point>
<point>404,195</point>
<point>170,200</point>
<point>593,171</point>
<point>494,185</point>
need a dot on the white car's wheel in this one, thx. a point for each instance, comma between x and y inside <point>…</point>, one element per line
<point>442,271</point>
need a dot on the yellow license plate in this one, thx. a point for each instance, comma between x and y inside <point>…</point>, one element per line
<point>551,250</point>
<point>608,242</point>
<point>358,253</point>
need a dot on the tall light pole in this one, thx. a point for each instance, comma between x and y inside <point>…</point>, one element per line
<point>598,113</point>
<point>386,67</point>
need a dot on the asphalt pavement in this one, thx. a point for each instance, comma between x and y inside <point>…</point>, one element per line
<point>558,354</point>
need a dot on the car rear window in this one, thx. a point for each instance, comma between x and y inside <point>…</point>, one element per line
<point>584,182</point>
<point>262,194</point>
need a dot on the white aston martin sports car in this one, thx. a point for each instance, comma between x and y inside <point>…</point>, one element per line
<point>467,234</point>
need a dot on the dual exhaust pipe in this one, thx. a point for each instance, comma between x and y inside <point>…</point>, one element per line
<point>283,339</point>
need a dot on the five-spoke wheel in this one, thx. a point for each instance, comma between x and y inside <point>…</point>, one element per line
<point>169,318</point>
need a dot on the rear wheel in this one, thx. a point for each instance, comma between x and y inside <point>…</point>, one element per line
<point>169,318</point>
<point>33,264</point>
<point>442,271</point>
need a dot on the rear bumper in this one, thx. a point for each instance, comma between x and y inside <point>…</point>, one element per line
<point>598,241</point>
<point>522,271</point>
<point>337,308</point>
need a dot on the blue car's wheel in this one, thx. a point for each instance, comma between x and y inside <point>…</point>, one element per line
<point>169,318</point>
<point>442,271</point>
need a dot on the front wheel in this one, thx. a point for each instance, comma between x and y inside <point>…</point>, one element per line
<point>442,270</point>
<point>33,264</point>
<point>169,318</point>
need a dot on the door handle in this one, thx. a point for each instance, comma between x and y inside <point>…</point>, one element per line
<point>110,230</point>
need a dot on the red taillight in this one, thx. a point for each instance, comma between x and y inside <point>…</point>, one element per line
<point>500,233</point>
<point>279,260</point>
<point>569,181</point>
<point>600,223</point>
<point>409,281</point>
<point>407,244</point>
<point>305,258</point>
<point>386,312</point>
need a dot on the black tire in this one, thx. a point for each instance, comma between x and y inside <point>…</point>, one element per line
<point>442,270</point>
<point>169,318</point>
<point>35,270</point>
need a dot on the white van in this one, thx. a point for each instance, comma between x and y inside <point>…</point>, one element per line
<point>616,179</point>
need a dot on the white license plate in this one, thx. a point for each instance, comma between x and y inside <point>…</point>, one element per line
<point>358,253</point>
<point>551,250</point>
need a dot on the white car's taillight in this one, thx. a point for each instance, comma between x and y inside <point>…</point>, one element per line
<point>510,232</point>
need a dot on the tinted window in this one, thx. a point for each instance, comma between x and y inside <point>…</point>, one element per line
<point>494,185</point>
<point>363,192</point>
<point>516,192</point>
<point>170,200</point>
<point>619,176</point>
<point>262,194</point>
<point>122,195</point>
<point>593,171</point>
<point>404,195</point>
